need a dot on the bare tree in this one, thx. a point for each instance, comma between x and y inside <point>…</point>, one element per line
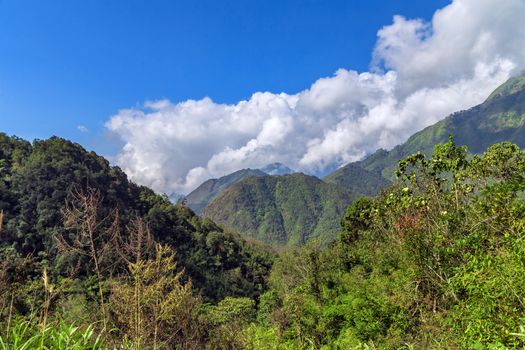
<point>91,236</point>
<point>138,244</point>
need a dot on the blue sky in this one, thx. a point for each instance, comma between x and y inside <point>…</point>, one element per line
<point>70,63</point>
<point>177,92</point>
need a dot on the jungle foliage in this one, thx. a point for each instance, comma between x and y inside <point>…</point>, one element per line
<point>436,261</point>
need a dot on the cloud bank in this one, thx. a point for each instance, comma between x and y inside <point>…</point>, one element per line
<point>420,73</point>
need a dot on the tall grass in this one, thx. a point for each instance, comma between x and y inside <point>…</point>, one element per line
<point>25,336</point>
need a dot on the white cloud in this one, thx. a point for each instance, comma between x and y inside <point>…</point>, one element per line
<point>420,73</point>
<point>82,128</point>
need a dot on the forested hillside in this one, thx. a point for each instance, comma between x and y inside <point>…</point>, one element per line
<point>283,210</point>
<point>353,176</point>
<point>37,179</point>
<point>200,197</point>
<point>435,262</point>
<point>92,261</point>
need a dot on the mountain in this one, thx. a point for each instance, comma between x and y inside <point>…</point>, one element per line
<point>36,179</point>
<point>501,117</point>
<point>210,189</point>
<point>283,210</point>
<point>277,169</point>
<point>353,176</point>
<point>291,209</point>
<point>175,197</point>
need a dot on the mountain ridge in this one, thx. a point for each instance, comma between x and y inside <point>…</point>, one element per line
<point>355,177</point>
<point>197,199</point>
<point>501,117</point>
<point>282,209</point>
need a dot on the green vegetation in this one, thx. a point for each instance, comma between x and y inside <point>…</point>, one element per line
<point>37,180</point>
<point>434,262</point>
<point>352,176</point>
<point>79,243</point>
<point>199,198</point>
<point>91,261</point>
<point>510,87</point>
<point>283,210</point>
<point>25,336</point>
<point>502,121</point>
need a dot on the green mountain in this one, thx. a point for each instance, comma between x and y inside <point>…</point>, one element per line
<point>290,210</point>
<point>35,181</point>
<point>500,118</point>
<point>282,209</point>
<point>210,189</point>
<point>353,176</point>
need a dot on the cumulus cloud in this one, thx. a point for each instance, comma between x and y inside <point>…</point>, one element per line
<point>420,73</point>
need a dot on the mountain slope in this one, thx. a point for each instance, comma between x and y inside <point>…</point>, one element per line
<point>353,176</point>
<point>500,118</point>
<point>284,210</point>
<point>210,189</point>
<point>36,179</point>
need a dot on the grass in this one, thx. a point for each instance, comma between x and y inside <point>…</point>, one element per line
<point>24,335</point>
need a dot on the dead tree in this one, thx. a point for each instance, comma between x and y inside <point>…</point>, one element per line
<point>91,236</point>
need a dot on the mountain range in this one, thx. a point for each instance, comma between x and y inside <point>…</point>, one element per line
<point>292,209</point>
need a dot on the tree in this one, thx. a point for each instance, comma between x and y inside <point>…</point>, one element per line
<point>91,237</point>
<point>152,307</point>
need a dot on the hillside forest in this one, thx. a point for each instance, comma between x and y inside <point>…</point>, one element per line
<point>92,261</point>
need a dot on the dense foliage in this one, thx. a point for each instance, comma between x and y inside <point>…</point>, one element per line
<point>284,209</point>
<point>79,242</point>
<point>91,261</point>
<point>36,180</point>
<point>437,261</point>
